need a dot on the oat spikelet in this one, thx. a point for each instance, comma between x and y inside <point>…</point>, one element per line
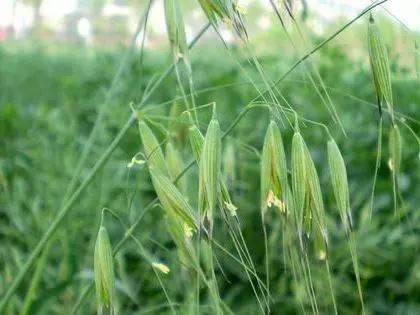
<point>299,181</point>
<point>228,12</point>
<point>310,212</point>
<point>104,272</point>
<point>315,202</point>
<point>395,149</point>
<point>152,148</point>
<point>171,198</point>
<point>273,169</point>
<point>209,171</point>
<point>379,62</point>
<point>176,125</point>
<point>316,205</point>
<point>338,174</point>
<point>197,143</point>
<point>175,166</point>
<point>176,29</point>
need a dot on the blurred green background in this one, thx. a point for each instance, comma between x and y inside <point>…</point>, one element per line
<point>51,92</point>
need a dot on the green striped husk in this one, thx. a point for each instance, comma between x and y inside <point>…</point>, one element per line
<point>104,273</point>
<point>171,198</point>
<point>395,149</point>
<point>209,171</point>
<point>338,175</point>
<point>273,170</point>
<point>379,62</point>
<point>152,148</point>
<point>175,166</point>
<point>299,180</point>
<point>176,29</point>
<point>197,143</point>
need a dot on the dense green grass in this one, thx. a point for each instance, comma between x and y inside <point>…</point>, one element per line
<point>48,104</point>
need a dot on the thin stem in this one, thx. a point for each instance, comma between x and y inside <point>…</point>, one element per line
<point>62,214</point>
<point>267,263</point>
<point>144,37</point>
<point>244,253</point>
<point>327,266</point>
<point>171,67</point>
<point>326,41</point>
<point>30,296</point>
<point>110,93</point>
<point>148,259</point>
<point>353,252</point>
<point>377,166</point>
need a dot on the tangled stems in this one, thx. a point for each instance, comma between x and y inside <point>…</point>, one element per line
<point>75,196</point>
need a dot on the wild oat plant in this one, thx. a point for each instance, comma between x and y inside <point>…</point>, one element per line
<point>238,206</point>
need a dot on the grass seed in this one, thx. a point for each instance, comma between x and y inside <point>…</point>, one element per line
<point>104,272</point>
<point>273,169</point>
<point>152,148</point>
<point>379,62</point>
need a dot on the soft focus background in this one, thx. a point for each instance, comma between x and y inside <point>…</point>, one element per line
<point>57,63</point>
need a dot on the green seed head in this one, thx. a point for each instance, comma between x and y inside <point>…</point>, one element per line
<point>395,150</point>
<point>177,124</point>
<point>306,189</point>
<point>338,175</point>
<point>273,170</point>
<point>176,229</point>
<point>152,148</point>
<point>229,12</point>
<point>176,29</point>
<point>316,202</point>
<point>320,243</point>
<point>299,177</point>
<point>174,123</point>
<point>171,198</point>
<point>196,141</point>
<point>209,170</point>
<point>104,271</point>
<point>379,62</point>
<point>315,209</point>
<point>175,165</point>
